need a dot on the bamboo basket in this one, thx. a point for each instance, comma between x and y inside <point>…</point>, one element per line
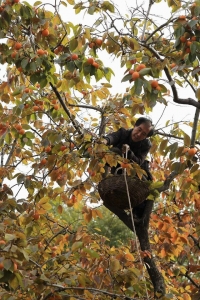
<point>113,191</point>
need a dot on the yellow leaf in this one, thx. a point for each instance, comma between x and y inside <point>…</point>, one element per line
<point>46,206</point>
<point>111,159</point>
<point>114,265</point>
<point>43,200</point>
<point>198,93</point>
<point>186,296</point>
<point>156,239</point>
<point>87,33</point>
<point>76,246</point>
<point>79,197</point>
<point>125,111</point>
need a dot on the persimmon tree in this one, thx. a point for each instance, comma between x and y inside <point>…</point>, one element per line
<point>56,103</point>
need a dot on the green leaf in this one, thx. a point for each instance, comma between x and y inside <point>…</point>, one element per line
<point>73,44</point>
<point>163,146</point>
<point>13,282</point>
<point>24,62</point>
<point>76,246</point>
<point>30,135</point>
<point>20,178</point>
<point>17,91</point>
<point>71,66</point>
<point>8,138</point>
<point>43,82</point>
<point>155,185</point>
<point>126,78</point>
<point>37,3</point>
<point>91,9</point>
<point>63,3</point>
<point>193,48</point>
<point>7,264</point>
<point>145,71</point>
<point>138,86</point>
<point>187,140</point>
<point>92,253</point>
<point>176,167</point>
<point>106,5</point>
<point>194,168</point>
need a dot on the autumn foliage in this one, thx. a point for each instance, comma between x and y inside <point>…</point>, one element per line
<point>56,103</point>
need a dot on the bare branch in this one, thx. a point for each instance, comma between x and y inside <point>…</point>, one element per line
<point>76,126</point>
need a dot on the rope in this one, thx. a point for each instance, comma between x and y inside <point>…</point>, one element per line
<point>133,224</point>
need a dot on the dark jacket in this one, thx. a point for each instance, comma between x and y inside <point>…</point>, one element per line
<point>138,150</point>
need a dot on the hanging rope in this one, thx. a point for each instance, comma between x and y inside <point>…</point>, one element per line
<point>132,220</point>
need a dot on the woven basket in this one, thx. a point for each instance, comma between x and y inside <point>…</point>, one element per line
<point>113,191</point>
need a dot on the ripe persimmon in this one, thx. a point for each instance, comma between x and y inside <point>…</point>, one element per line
<point>154,83</point>
<point>183,39</point>
<point>21,131</point>
<point>133,61</point>
<point>131,71</point>
<point>35,108</point>
<point>63,147</point>
<point>90,60</point>
<point>40,52</point>
<point>188,43</point>
<point>48,149</point>
<point>56,106</point>
<point>36,215</point>
<point>27,90</point>
<point>13,54</point>
<point>135,75</point>
<point>74,56</point>
<point>140,67</point>
<point>95,64</point>
<point>172,65</point>
<point>98,42</point>
<point>158,88</point>
<point>43,161</point>
<point>182,17</point>
<point>18,46</point>
<point>18,126</point>
<point>193,38</point>
<point>192,151</point>
<point>15,266</point>
<point>92,45</point>
<point>45,32</point>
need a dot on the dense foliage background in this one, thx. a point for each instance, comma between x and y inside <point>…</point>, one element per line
<point>57,100</point>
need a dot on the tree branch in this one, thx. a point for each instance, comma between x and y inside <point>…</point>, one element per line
<point>62,288</point>
<point>76,126</point>
<point>173,136</point>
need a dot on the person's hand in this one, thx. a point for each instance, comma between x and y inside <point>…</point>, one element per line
<point>104,141</point>
<point>125,148</point>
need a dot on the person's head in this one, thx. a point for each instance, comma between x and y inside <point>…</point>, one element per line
<point>143,128</point>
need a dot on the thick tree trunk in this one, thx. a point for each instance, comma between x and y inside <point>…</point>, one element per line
<point>141,227</point>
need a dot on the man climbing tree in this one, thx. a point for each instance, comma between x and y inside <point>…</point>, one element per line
<point>135,143</point>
